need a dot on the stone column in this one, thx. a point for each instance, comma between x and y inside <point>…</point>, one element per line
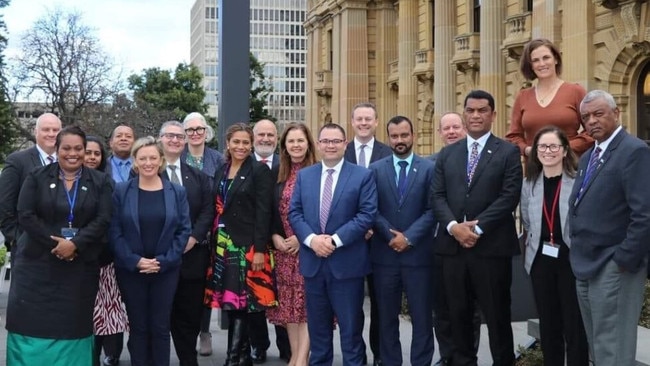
<point>337,73</point>
<point>386,52</point>
<point>353,60</point>
<point>493,65</point>
<point>546,23</point>
<point>407,102</point>
<point>444,86</point>
<point>578,52</point>
<point>314,64</point>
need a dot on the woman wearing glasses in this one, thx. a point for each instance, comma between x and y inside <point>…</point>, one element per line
<point>196,154</point>
<point>550,173</point>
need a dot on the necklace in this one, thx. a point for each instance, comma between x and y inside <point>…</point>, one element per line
<point>542,99</point>
<point>68,178</point>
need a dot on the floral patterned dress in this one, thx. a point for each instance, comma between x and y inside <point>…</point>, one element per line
<point>290,283</point>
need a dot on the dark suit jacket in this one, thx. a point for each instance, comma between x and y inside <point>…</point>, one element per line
<point>491,198</point>
<point>411,216</point>
<point>124,232</point>
<point>611,220</point>
<point>201,203</point>
<point>352,213</point>
<point>212,160</point>
<point>43,285</point>
<point>17,166</point>
<point>379,151</point>
<point>247,212</point>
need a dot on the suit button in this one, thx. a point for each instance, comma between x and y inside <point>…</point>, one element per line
<point>467,195</point>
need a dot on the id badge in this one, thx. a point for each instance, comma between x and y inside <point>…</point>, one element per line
<point>550,249</point>
<point>69,232</point>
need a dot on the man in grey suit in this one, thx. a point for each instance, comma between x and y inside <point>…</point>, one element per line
<point>476,188</point>
<point>401,250</point>
<point>609,220</point>
<point>18,165</point>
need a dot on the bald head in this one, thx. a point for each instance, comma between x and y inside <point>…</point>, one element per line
<point>451,128</point>
<point>47,127</point>
<point>266,137</point>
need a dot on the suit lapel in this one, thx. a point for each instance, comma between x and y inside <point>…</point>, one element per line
<point>170,206</point>
<point>491,146</point>
<point>602,161</point>
<point>36,158</point>
<point>82,189</point>
<point>132,196</point>
<point>411,177</point>
<point>350,154</point>
<point>392,179</point>
<point>244,172</point>
<point>344,176</point>
<point>376,152</point>
<point>565,193</point>
<point>537,200</point>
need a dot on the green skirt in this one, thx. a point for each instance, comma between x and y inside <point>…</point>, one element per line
<point>30,351</point>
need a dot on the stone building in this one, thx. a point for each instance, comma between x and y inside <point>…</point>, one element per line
<point>419,58</point>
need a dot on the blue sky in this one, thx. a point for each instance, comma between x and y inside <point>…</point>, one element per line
<point>138,34</point>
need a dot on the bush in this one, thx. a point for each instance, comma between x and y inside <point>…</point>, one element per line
<point>530,356</point>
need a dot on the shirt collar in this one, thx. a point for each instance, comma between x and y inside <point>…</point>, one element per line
<point>44,155</point>
<point>396,160</point>
<point>259,157</point>
<point>603,145</point>
<point>337,167</point>
<point>369,144</point>
<point>481,140</point>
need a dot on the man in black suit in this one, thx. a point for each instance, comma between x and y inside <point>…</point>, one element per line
<point>451,129</point>
<point>363,150</point>
<point>476,188</point>
<point>18,165</point>
<point>265,142</point>
<point>188,300</point>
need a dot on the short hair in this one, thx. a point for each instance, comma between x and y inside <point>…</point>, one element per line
<point>70,130</point>
<point>525,63</point>
<point>237,127</point>
<point>42,116</point>
<point>480,94</point>
<point>285,159</point>
<point>209,134</point>
<point>599,94</point>
<point>168,124</point>
<point>569,161</point>
<point>121,125</point>
<point>397,120</point>
<point>102,150</point>
<point>363,105</point>
<point>447,114</point>
<point>145,142</point>
<point>331,126</point>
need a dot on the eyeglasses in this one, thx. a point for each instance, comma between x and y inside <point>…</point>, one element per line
<point>552,147</point>
<point>331,141</point>
<point>171,136</point>
<point>193,131</point>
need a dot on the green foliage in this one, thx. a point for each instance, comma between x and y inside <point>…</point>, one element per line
<point>530,356</point>
<point>3,257</point>
<point>260,88</point>
<point>8,132</point>
<point>644,320</point>
<point>180,91</point>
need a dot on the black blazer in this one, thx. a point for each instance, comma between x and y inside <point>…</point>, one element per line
<point>491,198</point>
<point>201,202</point>
<point>379,151</point>
<point>247,212</point>
<point>17,166</point>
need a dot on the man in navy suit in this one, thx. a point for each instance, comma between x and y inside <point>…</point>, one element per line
<point>364,150</point>
<point>265,142</point>
<point>188,300</point>
<point>401,249</point>
<point>18,165</point>
<point>331,226</point>
<point>609,220</point>
<point>476,188</point>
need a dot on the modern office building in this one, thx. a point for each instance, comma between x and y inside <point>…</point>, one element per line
<point>419,58</point>
<point>277,39</point>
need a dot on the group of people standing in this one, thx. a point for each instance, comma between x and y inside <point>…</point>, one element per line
<point>172,229</point>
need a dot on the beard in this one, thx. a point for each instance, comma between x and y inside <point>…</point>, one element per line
<point>264,150</point>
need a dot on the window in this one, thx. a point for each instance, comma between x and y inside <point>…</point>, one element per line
<point>477,15</point>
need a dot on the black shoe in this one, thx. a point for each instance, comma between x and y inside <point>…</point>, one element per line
<point>285,356</point>
<point>258,355</point>
<point>365,360</point>
<point>443,362</point>
<point>110,361</point>
<point>377,362</point>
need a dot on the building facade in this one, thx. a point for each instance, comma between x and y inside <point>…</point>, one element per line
<point>277,39</point>
<point>419,58</point>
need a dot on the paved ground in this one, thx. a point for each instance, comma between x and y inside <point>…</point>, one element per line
<point>219,339</point>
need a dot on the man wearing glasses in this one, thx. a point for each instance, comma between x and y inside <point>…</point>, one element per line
<point>334,258</point>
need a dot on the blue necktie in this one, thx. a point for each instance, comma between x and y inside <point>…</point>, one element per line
<point>401,181</point>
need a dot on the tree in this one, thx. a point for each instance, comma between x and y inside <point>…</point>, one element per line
<point>62,63</point>
<point>180,92</point>
<point>7,130</point>
<point>260,88</point>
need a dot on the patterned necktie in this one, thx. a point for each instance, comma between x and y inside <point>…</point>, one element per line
<point>50,159</point>
<point>265,162</point>
<point>172,176</point>
<point>401,181</point>
<point>362,156</point>
<point>472,163</point>
<point>593,164</point>
<point>327,199</point>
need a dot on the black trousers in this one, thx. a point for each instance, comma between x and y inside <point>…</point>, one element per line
<point>259,334</point>
<point>187,312</point>
<point>112,345</point>
<point>469,278</point>
<point>560,323</point>
<point>441,321</point>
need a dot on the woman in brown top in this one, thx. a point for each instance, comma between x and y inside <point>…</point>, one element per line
<point>550,102</point>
